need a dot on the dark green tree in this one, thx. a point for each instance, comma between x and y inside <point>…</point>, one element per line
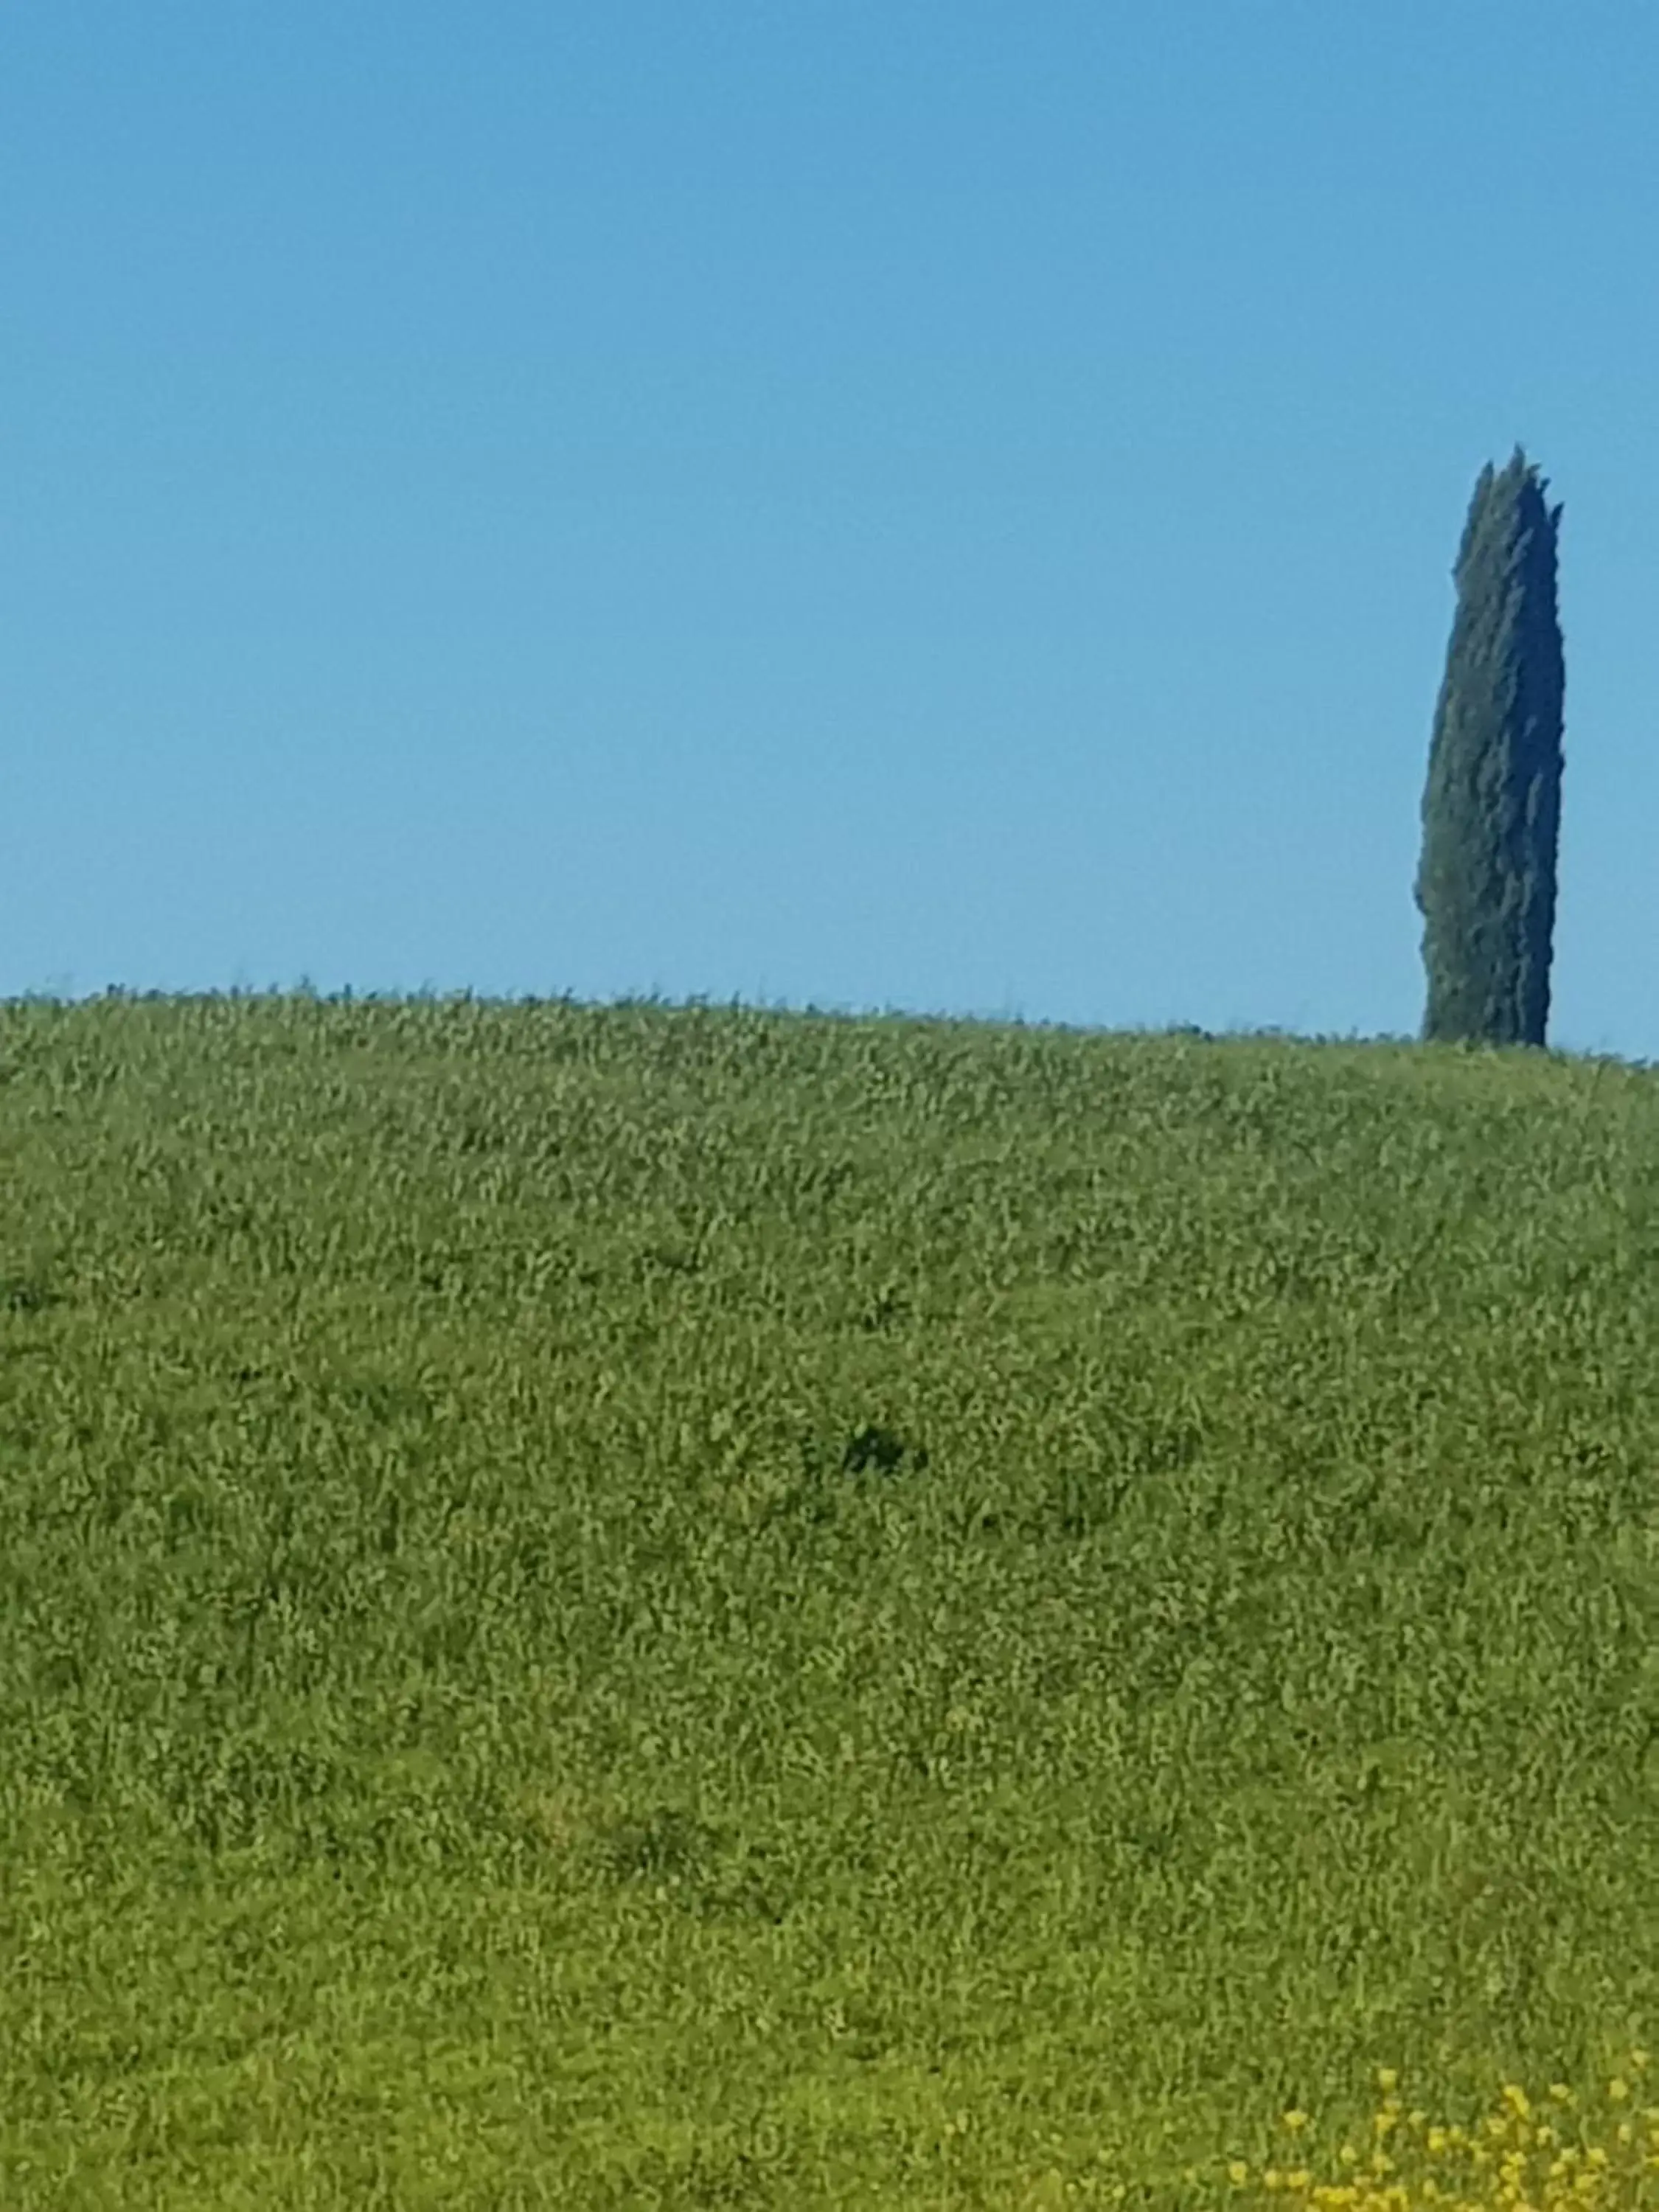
<point>1491,805</point>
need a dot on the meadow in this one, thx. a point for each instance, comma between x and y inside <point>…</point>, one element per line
<point>642,1606</point>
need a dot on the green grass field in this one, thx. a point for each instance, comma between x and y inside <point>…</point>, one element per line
<point>646,1607</point>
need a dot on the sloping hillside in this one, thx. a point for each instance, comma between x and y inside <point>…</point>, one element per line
<point>613,1606</point>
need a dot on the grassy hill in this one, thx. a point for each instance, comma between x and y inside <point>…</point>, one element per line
<point>640,1606</point>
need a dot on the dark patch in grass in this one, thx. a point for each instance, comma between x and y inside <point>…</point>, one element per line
<point>887,1309</point>
<point>874,1446</point>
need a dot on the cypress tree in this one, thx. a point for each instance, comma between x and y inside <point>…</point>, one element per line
<point>1491,805</point>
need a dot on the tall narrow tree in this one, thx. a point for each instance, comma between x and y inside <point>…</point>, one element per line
<point>1491,805</point>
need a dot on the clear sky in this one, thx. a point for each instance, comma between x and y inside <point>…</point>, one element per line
<point>913,503</point>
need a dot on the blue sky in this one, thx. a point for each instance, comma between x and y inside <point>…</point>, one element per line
<point>935,506</point>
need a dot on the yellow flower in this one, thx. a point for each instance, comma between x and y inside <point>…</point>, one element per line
<point>1299,2177</point>
<point>1386,2078</point>
<point>1516,2099</point>
<point>1618,2089</point>
<point>1238,2173</point>
<point>1295,2121</point>
<point>1638,2060</point>
<point>1561,2093</point>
